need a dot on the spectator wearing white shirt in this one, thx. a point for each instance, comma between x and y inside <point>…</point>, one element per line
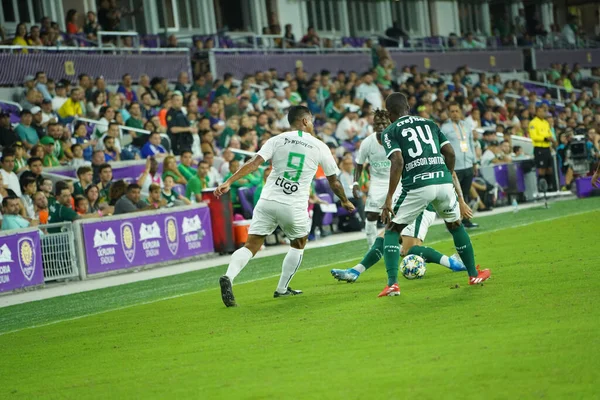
<point>48,115</point>
<point>28,188</point>
<point>61,96</point>
<point>8,176</point>
<point>348,127</point>
<point>150,175</point>
<point>214,177</point>
<point>370,92</point>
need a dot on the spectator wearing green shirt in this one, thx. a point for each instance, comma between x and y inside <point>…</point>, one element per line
<point>249,180</point>
<point>55,131</point>
<point>171,196</point>
<point>185,166</point>
<point>106,176</point>
<point>193,189</point>
<point>223,90</point>
<point>61,210</point>
<point>20,160</point>
<point>25,131</point>
<point>334,109</point>
<point>262,124</point>
<point>170,169</point>
<point>200,87</point>
<point>85,174</point>
<point>136,121</point>
<point>50,159</point>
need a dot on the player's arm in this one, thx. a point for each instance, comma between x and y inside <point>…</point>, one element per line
<point>355,186</point>
<point>338,189</point>
<point>450,160</point>
<point>246,169</point>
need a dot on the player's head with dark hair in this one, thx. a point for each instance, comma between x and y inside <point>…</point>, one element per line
<point>301,118</point>
<point>381,120</point>
<point>397,105</point>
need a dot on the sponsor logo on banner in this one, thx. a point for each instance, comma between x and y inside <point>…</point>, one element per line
<point>26,257</point>
<point>149,235</point>
<point>172,234</point>
<point>128,240</point>
<point>192,232</point>
<point>5,257</point>
<point>105,243</point>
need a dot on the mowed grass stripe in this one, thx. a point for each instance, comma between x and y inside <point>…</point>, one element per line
<point>255,271</point>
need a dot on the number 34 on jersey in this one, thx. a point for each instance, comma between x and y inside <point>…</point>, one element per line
<point>419,140</point>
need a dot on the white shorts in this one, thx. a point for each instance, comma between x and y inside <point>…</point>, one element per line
<point>377,194</point>
<point>412,202</point>
<point>268,214</point>
<point>419,228</point>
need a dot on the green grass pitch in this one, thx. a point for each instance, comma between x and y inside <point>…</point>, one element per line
<point>532,331</point>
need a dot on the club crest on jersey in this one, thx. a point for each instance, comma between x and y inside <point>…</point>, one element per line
<point>287,186</point>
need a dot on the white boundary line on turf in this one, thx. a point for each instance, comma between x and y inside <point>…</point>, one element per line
<point>271,276</point>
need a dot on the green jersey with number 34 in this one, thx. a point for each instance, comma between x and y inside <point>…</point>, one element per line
<point>420,141</point>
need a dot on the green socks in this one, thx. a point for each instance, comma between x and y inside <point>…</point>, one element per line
<point>462,242</point>
<point>374,254</point>
<point>391,255</point>
<point>427,253</point>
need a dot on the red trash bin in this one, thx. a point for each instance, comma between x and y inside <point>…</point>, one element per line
<point>221,218</point>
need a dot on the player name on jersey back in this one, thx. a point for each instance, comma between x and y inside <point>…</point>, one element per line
<point>420,141</point>
<point>295,157</point>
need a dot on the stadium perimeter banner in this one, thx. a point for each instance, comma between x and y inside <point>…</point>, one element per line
<point>153,237</point>
<point>20,259</point>
<point>587,58</point>
<point>244,63</point>
<point>15,66</point>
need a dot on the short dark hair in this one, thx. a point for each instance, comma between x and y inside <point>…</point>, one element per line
<point>28,180</point>
<point>7,153</point>
<point>107,138</point>
<point>515,149</point>
<point>83,170</point>
<point>78,199</point>
<point>103,167</point>
<point>133,186</point>
<point>7,199</point>
<point>186,151</point>
<point>453,103</point>
<point>59,187</point>
<point>296,113</point>
<point>202,162</point>
<point>227,76</point>
<point>112,124</point>
<point>397,103</point>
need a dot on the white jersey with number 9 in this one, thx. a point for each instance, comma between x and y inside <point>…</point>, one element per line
<point>295,157</point>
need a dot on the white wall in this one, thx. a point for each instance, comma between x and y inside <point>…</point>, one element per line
<point>293,12</point>
<point>444,18</point>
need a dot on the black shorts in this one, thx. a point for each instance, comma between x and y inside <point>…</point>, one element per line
<point>543,157</point>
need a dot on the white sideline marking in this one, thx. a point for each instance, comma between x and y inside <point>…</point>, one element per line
<point>269,277</point>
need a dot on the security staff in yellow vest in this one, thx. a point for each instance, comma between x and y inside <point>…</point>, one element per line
<point>541,136</point>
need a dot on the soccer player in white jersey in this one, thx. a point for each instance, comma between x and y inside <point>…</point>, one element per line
<point>294,156</point>
<point>372,151</point>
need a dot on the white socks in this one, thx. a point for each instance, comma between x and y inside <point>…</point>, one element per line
<point>239,259</point>
<point>359,268</point>
<point>371,231</point>
<point>445,261</point>
<point>291,263</point>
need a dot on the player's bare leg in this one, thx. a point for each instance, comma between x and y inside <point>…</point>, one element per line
<point>290,266</point>
<point>239,259</point>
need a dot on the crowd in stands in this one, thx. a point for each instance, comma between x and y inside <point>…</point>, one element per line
<point>201,131</point>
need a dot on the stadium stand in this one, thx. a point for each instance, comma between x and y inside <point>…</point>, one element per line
<point>93,95</point>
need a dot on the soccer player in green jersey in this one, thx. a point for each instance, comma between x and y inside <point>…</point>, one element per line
<point>424,158</point>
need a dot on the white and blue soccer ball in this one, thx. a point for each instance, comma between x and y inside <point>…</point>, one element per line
<point>413,267</point>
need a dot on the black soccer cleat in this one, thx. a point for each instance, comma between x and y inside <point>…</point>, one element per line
<point>288,293</point>
<point>227,292</point>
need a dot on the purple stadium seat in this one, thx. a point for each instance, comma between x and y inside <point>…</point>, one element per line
<point>180,189</point>
<point>150,41</point>
<point>327,217</point>
<point>246,197</point>
<point>322,186</point>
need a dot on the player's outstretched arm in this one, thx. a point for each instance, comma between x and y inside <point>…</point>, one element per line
<point>596,178</point>
<point>338,189</point>
<point>246,169</point>
<point>395,174</point>
<point>355,186</point>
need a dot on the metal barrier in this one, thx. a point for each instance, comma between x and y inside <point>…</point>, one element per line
<point>58,251</point>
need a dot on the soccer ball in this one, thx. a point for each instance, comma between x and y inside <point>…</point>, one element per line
<point>413,267</point>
